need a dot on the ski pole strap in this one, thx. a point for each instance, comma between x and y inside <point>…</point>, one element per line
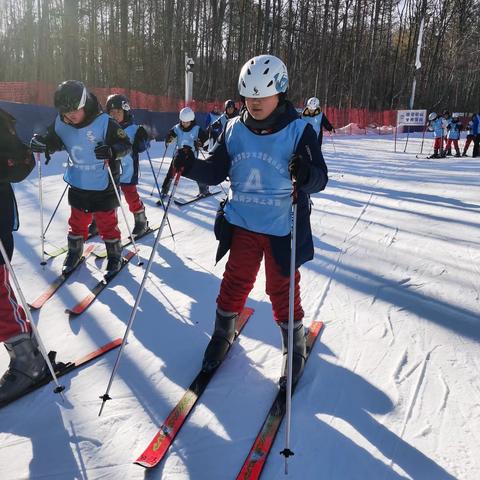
<point>294,194</point>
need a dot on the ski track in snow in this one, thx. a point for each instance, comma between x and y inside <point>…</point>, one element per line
<point>392,384</point>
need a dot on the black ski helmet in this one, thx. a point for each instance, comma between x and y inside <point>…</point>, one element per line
<point>119,102</point>
<point>230,104</point>
<point>70,95</point>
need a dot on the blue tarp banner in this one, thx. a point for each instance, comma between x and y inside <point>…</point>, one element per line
<point>36,118</point>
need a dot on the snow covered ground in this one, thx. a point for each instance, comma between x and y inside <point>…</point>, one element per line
<point>391,390</point>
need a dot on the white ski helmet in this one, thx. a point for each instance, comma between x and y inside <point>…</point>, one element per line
<point>313,103</point>
<point>432,116</point>
<point>187,115</point>
<point>263,76</point>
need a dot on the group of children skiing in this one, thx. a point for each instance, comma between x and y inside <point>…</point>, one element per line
<point>266,151</point>
<point>446,130</point>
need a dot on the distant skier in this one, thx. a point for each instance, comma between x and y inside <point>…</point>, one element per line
<point>118,107</point>
<point>470,136</point>
<point>312,114</point>
<point>476,134</point>
<point>446,120</point>
<point>435,125</point>
<point>212,117</point>
<point>93,140</point>
<point>454,128</point>
<point>187,135</point>
<point>217,127</point>
<point>27,365</point>
<point>260,151</point>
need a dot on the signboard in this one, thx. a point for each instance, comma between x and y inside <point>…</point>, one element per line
<point>411,117</point>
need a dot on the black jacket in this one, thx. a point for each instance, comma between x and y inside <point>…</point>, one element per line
<point>215,169</point>
<point>16,162</point>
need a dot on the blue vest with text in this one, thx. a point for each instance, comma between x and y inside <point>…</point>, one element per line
<point>84,171</point>
<point>127,161</point>
<point>186,138</point>
<point>260,194</point>
<point>315,122</point>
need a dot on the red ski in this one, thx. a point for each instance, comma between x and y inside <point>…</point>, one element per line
<point>58,282</point>
<point>158,447</point>
<point>64,368</point>
<point>255,461</point>
<point>81,306</point>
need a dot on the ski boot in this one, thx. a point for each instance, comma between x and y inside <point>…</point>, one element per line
<point>92,228</point>
<point>203,190</point>
<point>464,154</point>
<point>299,352</point>
<point>222,339</point>
<point>435,154</point>
<point>141,224</point>
<point>74,255</point>
<point>114,255</point>
<point>457,154</point>
<point>27,367</point>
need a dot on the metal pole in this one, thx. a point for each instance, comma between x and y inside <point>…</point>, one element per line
<point>55,211</point>
<point>59,388</point>
<point>40,199</point>
<point>139,262</point>
<point>159,169</point>
<point>106,395</point>
<point>159,194</point>
<point>291,303</point>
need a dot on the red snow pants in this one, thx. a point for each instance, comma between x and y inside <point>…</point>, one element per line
<point>246,253</point>
<point>132,197</point>
<point>438,143</point>
<point>455,144</point>
<point>12,316</point>
<point>107,224</point>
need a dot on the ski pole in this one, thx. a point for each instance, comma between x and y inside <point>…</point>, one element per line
<point>106,395</point>
<point>423,137</point>
<point>159,194</point>
<point>139,262</point>
<point>40,199</point>
<point>59,388</point>
<point>159,169</point>
<point>55,211</point>
<point>291,300</point>
<point>333,143</point>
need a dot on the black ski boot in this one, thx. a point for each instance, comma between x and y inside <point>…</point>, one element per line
<point>74,255</point>
<point>299,352</point>
<point>141,223</point>
<point>92,228</point>
<point>27,367</point>
<point>203,190</point>
<point>222,338</point>
<point>464,154</point>
<point>114,255</point>
<point>435,154</point>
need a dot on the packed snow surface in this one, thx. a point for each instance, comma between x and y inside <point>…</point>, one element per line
<point>391,390</point>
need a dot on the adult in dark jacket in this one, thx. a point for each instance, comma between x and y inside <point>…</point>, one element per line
<point>260,151</point>
<point>27,365</point>
<point>93,141</point>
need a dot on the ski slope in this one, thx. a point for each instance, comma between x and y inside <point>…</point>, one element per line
<point>391,390</point>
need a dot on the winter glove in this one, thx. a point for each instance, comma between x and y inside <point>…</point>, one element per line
<point>142,134</point>
<point>104,152</point>
<point>169,139</point>
<point>183,159</point>
<point>38,144</point>
<point>198,145</point>
<point>299,169</point>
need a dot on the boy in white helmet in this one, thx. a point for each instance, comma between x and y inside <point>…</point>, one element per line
<point>261,151</point>
<point>188,135</point>
<point>312,114</point>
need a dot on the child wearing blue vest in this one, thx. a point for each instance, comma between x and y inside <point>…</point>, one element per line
<point>436,125</point>
<point>470,136</point>
<point>118,107</point>
<point>454,128</point>
<point>261,151</point>
<point>93,141</point>
<point>217,127</point>
<point>187,135</point>
<point>313,115</point>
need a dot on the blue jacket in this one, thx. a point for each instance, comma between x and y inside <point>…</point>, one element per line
<point>218,166</point>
